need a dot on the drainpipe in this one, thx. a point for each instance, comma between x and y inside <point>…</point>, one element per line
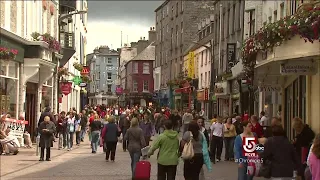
<point>220,41</point>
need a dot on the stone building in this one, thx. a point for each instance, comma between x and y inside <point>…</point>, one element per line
<point>176,26</point>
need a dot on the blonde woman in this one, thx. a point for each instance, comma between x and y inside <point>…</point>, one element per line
<point>230,134</point>
<point>303,139</point>
<point>135,137</point>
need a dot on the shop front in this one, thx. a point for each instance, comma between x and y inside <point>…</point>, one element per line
<point>223,97</point>
<point>203,99</point>
<point>139,99</point>
<point>11,57</point>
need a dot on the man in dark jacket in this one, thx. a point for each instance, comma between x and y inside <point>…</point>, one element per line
<point>237,125</point>
<point>124,125</point>
<point>176,120</point>
<point>83,124</point>
<point>46,112</point>
<point>46,130</point>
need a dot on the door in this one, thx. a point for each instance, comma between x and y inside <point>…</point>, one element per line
<point>30,109</point>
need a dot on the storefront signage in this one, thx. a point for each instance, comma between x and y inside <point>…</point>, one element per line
<point>191,65</point>
<point>83,84</point>
<point>206,94</point>
<point>16,127</point>
<point>269,88</point>
<point>221,88</point>
<point>85,71</point>
<point>66,87</point>
<point>200,95</point>
<point>119,90</point>
<point>10,44</point>
<point>299,68</point>
<point>231,50</point>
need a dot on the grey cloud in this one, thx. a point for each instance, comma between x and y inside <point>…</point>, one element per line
<point>141,12</point>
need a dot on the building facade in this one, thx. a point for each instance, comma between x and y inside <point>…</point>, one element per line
<point>73,31</point>
<point>176,26</point>
<point>104,67</point>
<point>284,89</point>
<point>139,78</point>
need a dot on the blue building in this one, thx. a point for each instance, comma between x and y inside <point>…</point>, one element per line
<point>103,63</point>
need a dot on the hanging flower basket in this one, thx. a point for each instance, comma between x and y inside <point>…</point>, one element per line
<point>54,45</point>
<point>7,54</point>
<point>85,79</point>
<point>304,23</point>
<point>78,66</point>
<point>63,71</point>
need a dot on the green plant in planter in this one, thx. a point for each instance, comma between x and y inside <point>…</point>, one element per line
<point>8,54</point>
<point>78,66</point>
<point>35,36</point>
<point>63,71</point>
<point>85,79</point>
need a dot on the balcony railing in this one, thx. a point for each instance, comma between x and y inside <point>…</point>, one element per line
<point>67,40</point>
<point>72,4</point>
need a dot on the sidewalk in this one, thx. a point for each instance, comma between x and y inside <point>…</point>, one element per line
<point>27,157</point>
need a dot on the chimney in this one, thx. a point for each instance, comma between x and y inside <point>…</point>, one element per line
<point>133,44</point>
<point>104,49</point>
<point>142,44</point>
<point>152,35</point>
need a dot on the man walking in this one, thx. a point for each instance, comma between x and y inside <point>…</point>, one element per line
<point>46,130</point>
<point>186,119</point>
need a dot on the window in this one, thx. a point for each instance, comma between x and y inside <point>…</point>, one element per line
<point>167,27</point>
<point>135,67</point>
<point>109,76</point>
<point>45,23</point>
<point>222,28</point>
<point>181,27</point>
<point>146,68</point>
<point>109,60</point>
<point>233,29</point>
<point>202,56</point>
<point>98,75</point>
<point>177,35</point>
<point>275,15</point>
<point>205,79</point>
<point>281,10</point>
<point>98,87</point>
<point>228,23</point>
<point>201,79</point>
<point>200,35</point>
<point>177,9</point>
<point>239,15</point>
<point>209,79</point>
<point>182,6</point>
<point>206,57</point>
<point>208,29</point>
<point>172,13</point>
<point>145,86</point>
<point>135,86</point>
<point>252,22</point>
<point>109,87</point>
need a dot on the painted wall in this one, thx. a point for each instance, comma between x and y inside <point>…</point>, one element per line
<point>140,76</point>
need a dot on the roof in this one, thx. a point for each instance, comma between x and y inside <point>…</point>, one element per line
<point>147,54</point>
<point>200,43</point>
<point>162,5</point>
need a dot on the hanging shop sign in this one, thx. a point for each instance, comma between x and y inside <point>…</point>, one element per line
<point>200,95</point>
<point>231,50</point>
<point>16,127</point>
<point>191,65</point>
<point>85,71</point>
<point>119,90</point>
<point>77,80</point>
<point>66,87</point>
<point>206,94</point>
<point>299,68</point>
<point>221,88</point>
<point>83,84</point>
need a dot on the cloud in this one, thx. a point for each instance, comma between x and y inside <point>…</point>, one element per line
<point>125,11</point>
<point>109,33</point>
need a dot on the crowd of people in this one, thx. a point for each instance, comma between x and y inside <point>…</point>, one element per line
<point>198,146</point>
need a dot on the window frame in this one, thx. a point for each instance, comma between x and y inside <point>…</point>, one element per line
<point>134,83</point>
<point>145,82</point>
<point>109,73</point>
<point>252,21</point>
<point>146,65</point>
<point>135,68</point>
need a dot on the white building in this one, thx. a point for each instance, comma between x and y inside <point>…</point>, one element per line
<point>77,27</point>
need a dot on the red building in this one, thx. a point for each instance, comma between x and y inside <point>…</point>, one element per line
<point>139,78</point>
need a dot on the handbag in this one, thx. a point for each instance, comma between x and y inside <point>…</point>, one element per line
<point>188,151</point>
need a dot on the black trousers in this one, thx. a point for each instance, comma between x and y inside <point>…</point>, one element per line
<point>48,153</point>
<point>192,168</point>
<point>124,142</point>
<point>216,147</point>
<point>111,148</point>
<point>78,138</point>
<point>167,172</point>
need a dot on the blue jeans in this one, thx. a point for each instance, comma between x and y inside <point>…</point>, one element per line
<point>83,133</point>
<point>135,157</point>
<point>70,139</point>
<point>95,137</point>
<point>242,173</point>
<point>229,143</point>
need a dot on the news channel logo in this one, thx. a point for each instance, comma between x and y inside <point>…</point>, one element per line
<point>251,146</point>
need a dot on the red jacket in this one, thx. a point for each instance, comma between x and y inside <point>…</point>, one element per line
<point>258,130</point>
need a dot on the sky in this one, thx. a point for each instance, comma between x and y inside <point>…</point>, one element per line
<point>106,20</point>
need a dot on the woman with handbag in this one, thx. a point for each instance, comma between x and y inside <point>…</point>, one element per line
<point>77,124</point>
<point>191,148</point>
<point>280,156</point>
<point>110,134</point>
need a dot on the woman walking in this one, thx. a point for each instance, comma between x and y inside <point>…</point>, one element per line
<point>95,127</point>
<point>192,167</point>
<point>77,124</point>
<point>314,158</point>
<point>70,131</point>
<point>110,135</point>
<point>147,128</point>
<point>229,133</point>
<point>135,137</point>
<point>238,149</point>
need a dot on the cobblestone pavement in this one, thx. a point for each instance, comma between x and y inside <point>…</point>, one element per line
<point>81,164</point>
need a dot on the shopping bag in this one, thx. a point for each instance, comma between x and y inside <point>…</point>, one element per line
<point>188,151</point>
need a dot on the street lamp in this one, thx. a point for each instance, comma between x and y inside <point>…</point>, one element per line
<point>66,16</point>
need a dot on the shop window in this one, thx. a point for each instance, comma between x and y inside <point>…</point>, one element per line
<point>8,88</point>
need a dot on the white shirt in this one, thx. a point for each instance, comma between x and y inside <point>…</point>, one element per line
<point>217,129</point>
<point>263,121</point>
